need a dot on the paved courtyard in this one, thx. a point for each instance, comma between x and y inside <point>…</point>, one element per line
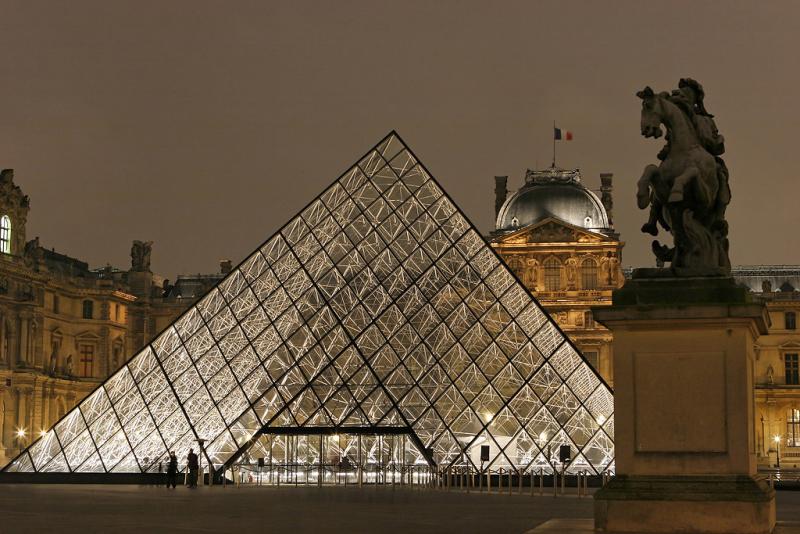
<point>122,509</point>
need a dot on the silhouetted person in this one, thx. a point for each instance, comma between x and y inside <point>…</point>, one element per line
<point>193,467</point>
<point>172,470</point>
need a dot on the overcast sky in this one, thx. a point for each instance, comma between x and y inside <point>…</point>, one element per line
<point>204,126</point>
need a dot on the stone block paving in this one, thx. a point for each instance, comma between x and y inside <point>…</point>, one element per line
<point>123,509</point>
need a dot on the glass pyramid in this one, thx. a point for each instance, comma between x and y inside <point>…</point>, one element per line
<point>379,306</point>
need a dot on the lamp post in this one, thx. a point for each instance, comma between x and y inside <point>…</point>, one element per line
<point>777,440</point>
<point>21,434</point>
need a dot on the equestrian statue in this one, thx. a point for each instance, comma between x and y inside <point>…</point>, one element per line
<point>688,192</point>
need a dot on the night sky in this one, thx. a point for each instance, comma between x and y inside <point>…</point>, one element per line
<point>203,126</point>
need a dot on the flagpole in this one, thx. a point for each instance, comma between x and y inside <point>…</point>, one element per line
<point>554,144</point>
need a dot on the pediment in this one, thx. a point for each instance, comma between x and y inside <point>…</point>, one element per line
<point>552,230</point>
<point>789,345</point>
<point>87,335</point>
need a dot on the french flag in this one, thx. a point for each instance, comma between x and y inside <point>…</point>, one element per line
<point>558,135</point>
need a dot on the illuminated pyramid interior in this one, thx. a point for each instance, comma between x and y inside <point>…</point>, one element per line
<point>378,312</point>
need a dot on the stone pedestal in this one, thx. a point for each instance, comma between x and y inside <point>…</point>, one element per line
<point>683,409</point>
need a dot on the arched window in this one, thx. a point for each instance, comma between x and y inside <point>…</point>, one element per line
<point>515,264</point>
<point>552,274</point>
<point>5,234</point>
<point>589,274</point>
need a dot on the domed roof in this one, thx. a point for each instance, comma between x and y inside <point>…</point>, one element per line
<point>554,193</point>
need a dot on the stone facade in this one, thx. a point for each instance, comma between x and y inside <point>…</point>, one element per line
<point>65,327</point>
<point>777,377</point>
<point>568,294</point>
<point>569,268</point>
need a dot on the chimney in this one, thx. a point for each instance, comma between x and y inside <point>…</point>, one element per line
<point>225,266</point>
<point>500,193</point>
<point>605,195</point>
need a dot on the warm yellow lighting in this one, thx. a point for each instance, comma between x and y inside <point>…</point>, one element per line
<point>777,439</point>
<point>42,433</point>
<point>601,419</point>
<point>20,432</point>
<point>543,437</point>
<point>488,417</point>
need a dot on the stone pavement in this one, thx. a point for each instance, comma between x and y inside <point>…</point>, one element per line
<point>128,509</point>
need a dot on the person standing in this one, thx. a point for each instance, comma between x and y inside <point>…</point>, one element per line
<point>193,466</point>
<point>172,470</point>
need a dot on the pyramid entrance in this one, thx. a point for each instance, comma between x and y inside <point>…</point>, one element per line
<point>378,315</point>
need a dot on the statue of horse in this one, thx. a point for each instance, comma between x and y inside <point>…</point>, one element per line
<point>683,191</point>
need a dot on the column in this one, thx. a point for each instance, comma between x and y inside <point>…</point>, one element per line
<point>45,401</point>
<point>9,419</point>
<point>22,410</point>
<point>23,340</point>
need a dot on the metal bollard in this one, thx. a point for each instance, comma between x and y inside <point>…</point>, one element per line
<point>532,484</point>
<point>541,482</point>
<point>519,476</point>
<point>510,485</point>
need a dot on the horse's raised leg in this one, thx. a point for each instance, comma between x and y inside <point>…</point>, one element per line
<point>681,183</point>
<point>643,186</point>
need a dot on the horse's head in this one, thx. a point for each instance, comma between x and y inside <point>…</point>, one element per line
<point>651,113</point>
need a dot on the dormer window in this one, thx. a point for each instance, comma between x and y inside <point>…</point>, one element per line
<point>5,234</point>
<point>587,222</point>
<point>514,222</point>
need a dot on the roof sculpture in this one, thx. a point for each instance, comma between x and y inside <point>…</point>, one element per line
<point>378,306</point>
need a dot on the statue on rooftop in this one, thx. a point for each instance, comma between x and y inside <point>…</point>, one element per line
<point>140,256</point>
<point>688,192</point>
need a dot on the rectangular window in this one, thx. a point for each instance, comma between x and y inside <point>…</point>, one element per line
<point>793,428</point>
<point>87,360</point>
<point>55,304</point>
<point>792,369</point>
<point>552,275</point>
<point>791,320</point>
<point>88,309</point>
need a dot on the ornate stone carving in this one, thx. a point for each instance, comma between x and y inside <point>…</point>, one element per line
<point>571,268</point>
<point>552,233</point>
<point>140,256</point>
<point>688,192</point>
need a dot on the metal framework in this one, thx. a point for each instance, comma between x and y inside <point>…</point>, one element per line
<point>379,309</point>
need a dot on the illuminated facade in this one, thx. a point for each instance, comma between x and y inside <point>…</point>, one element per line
<point>377,326</point>
<point>558,237</point>
<point>777,372</point>
<point>64,327</point>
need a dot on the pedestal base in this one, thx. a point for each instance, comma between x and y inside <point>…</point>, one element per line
<point>733,504</point>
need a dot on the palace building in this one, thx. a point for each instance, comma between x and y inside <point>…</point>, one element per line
<point>777,371</point>
<point>559,238</point>
<point>64,327</point>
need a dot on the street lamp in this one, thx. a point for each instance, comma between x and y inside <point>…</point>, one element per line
<point>21,433</point>
<point>777,440</point>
